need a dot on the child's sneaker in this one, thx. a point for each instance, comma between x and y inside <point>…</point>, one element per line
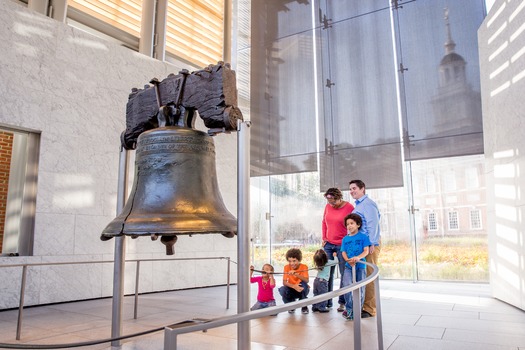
<point>291,311</point>
<point>304,309</point>
<point>341,308</point>
<point>347,316</point>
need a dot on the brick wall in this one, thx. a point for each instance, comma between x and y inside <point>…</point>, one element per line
<point>6,149</point>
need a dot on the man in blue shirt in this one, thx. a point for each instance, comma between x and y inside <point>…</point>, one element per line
<point>367,209</point>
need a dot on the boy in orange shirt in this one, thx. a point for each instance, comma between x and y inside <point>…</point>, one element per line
<point>295,279</point>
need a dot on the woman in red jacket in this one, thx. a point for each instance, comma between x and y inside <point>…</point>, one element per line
<point>334,230</point>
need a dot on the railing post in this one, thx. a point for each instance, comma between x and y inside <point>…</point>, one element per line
<point>21,305</point>
<point>137,270</point>
<point>243,229</point>
<point>379,316</point>
<point>170,341</point>
<point>120,253</point>
<point>228,285</point>
<point>356,309</point>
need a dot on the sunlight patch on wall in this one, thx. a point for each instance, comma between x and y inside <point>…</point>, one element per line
<point>508,254</point>
<point>73,191</point>
<point>88,43</point>
<point>505,191</point>
<point>503,154</point>
<point>504,171</point>
<point>31,31</point>
<point>506,212</point>
<point>507,233</point>
<point>505,274</point>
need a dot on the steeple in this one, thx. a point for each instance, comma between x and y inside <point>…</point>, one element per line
<point>449,44</point>
<point>452,65</point>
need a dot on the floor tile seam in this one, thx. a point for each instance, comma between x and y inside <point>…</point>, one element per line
<point>79,332</point>
<point>308,325</point>
<point>495,335</point>
<point>418,336</point>
<point>469,327</point>
<point>484,342</point>
<point>47,326</point>
<point>498,320</point>
<point>73,312</point>
<point>37,341</point>
<point>479,321</point>
<point>293,324</point>
<point>472,345</point>
<point>385,329</point>
<point>331,339</point>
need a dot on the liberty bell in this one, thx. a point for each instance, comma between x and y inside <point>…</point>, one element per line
<point>175,189</point>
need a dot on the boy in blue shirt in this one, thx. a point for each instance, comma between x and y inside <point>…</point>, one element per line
<point>354,248</point>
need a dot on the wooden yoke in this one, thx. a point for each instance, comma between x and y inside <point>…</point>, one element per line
<point>211,91</point>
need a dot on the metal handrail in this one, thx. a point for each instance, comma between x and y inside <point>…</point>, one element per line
<point>172,331</point>
<point>137,271</point>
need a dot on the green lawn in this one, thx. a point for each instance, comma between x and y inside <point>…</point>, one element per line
<point>449,258</point>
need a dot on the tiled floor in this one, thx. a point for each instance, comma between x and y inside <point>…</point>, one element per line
<point>424,315</point>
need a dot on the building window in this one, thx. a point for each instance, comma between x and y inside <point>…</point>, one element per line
<point>195,31</point>
<point>430,182</point>
<point>18,175</point>
<point>449,177</point>
<point>453,221</point>
<point>432,222</point>
<point>472,177</point>
<point>475,219</point>
<point>123,14</point>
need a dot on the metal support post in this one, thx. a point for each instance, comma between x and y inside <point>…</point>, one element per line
<point>120,253</point>
<point>137,271</point>
<point>227,21</point>
<point>161,20</point>
<point>243,240</point>
<point>147,28</point>
<point>356,309</point>
<point>379,316</point>
<point>228,285</point>
<point>21,305</point>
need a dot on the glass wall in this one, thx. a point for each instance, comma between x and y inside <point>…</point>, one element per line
<point>439,234</point>
<point>382,91</point>
<point>450,234</point>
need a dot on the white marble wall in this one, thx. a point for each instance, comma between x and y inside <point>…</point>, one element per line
<point>502,61</point>
<point>73,87</point>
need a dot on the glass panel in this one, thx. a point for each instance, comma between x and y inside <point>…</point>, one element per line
<point>297,211</point>
<point>395,260</point>
<point>350,74</point>
<point>260,219</point>
<point>280,18</point>
<point>438,54</point>
<point>282,96</point>
<point>359,98</point>
<point>380,165</point>
<point>343,10</point>
<point>449,245</point>
<point>449,236</point>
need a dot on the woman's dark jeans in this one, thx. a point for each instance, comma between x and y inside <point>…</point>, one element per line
<point>330,248</point>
